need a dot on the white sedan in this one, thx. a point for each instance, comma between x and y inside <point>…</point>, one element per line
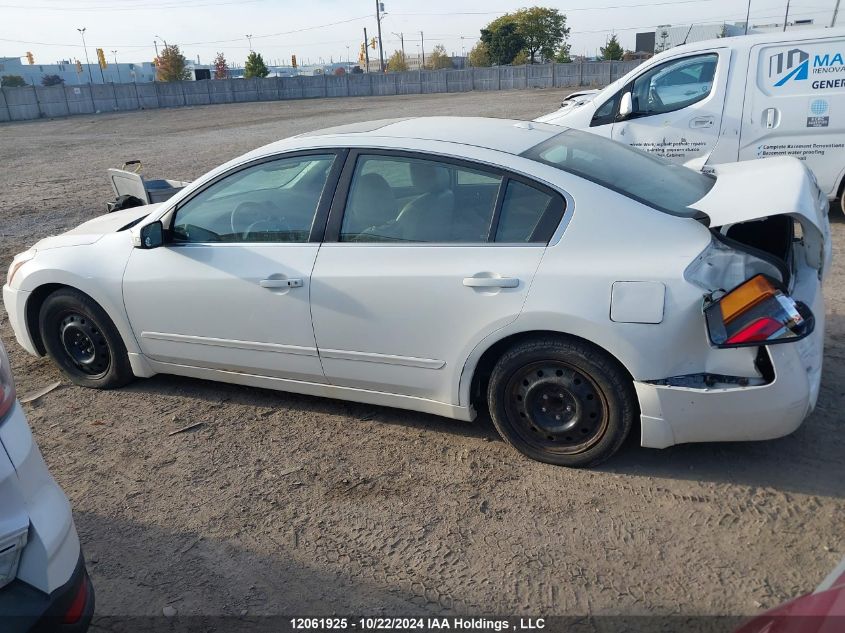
<point>575,287</point>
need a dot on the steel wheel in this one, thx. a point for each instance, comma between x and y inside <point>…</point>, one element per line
<point>556,407</point>
<point>83,341</point>
<point>84,344</point>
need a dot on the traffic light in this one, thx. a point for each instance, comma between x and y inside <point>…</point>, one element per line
<point>101,58</point>
<point>30,58</point>
<point>373,43</point>
<point>78,67</point>
<point>293,60</point>
<point>362,54</point>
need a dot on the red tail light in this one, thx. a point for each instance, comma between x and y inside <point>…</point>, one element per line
<point>756,331</point>
<point>77,607</point>
<point>7,384</point>
<point>757,312</point>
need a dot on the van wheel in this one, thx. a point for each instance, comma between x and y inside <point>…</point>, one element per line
<point>83,341</point>
<point>561,401</point>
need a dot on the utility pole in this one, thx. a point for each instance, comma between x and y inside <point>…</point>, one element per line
<point>366,51</point>
<point>422,48</point>
<point>380,45</point>
<point>87,62</point>
<point>835,13</point>
<point>401,37</point>
<point>119,80</point>
<point>748,16</point>
<point>786,17</point>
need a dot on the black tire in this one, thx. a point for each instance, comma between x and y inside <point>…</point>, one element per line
<point>561,401</point>
<point>83,341</point>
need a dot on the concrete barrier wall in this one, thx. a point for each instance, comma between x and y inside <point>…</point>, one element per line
<point>126,96</point>
<point>4,110</point>
<point>196,92</point>
<point>52,100</point>
<point>33,102</point>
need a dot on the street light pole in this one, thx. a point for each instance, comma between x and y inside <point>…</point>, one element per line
<point>835,13</point>
<point>422,48</point>
<point>786,17</point>
<point>380,46</point>
<point>87,62</point>
<point>249,39</point>
<point>119,80</point>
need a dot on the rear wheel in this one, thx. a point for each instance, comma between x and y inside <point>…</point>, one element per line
<point>561,401</point>
<point>83,341</point>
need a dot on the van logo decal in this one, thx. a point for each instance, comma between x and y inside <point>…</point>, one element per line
<point>795,63</point>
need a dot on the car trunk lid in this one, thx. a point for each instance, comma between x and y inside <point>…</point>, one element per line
<point>753,190</point>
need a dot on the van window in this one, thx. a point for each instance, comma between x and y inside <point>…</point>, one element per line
<point>674,84</point>
<point>646,178</point>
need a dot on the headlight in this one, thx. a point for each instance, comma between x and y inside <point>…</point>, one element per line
<point>19,260</point>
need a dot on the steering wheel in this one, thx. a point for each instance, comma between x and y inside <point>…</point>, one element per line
<point>248,216</point>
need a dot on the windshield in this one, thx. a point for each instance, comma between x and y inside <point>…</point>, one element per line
<point>644,177</point>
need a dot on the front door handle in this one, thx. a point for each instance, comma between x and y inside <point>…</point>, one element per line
<point>702,122</point>
<point>491,282</point>
<point>280,283</point>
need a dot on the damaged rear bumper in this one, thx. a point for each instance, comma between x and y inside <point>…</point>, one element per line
<point>678,415</point>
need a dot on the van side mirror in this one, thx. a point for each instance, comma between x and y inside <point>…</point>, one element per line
<point>626,106</point>
<point>152,235</point>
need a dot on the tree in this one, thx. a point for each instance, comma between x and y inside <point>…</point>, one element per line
<point>255,66</point>
<point>171,65</point>
<point>12,81</point>
<point>397,63</point>
<point>612,50</point>
<point>221,67</point>
<point>52,80</point>
<point>503,40</point>
<point>543,30</point>
<point>521,58</point>
<point>438,58</point>
<point>563,54</point>
<point>479,55</point>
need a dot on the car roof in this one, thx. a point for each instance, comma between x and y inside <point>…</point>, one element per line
<point>504,135</point>
<point>753,39</point>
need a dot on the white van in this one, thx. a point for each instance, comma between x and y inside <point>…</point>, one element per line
<point>730,99</point>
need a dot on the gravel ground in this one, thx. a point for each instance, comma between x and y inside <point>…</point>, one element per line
<point>284,503</point>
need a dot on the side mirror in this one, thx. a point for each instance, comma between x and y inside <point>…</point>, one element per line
<point>626,106</point>
<point>152,235</point>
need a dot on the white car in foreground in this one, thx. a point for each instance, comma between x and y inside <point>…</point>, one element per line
<point>44,585</point>
<point>575,286</point>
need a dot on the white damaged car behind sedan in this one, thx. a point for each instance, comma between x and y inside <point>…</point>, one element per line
<point>574,287</point>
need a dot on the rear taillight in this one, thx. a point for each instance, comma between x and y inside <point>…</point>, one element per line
<point>7,384</point>
<point>77,607</point>
<point>757,312</point>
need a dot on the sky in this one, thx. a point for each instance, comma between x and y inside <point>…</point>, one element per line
<point>322,30</point>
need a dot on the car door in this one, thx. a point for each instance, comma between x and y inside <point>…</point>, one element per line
<point>424,257</point>
<point>793,100</point>
<point>229,288</point>
<point>677,106</point>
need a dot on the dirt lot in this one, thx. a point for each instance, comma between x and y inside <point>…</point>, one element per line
<point>290,504</point>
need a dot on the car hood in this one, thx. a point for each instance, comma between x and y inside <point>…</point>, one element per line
<point>559,116</point>
<point>92,230</point>
<point>756,189</point>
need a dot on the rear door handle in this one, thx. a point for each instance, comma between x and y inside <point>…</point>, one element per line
<point>280,283</point>
<point>491,282</point>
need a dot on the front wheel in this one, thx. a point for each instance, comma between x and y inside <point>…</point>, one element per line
<point>83,341</point>
<point>561,401</point>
